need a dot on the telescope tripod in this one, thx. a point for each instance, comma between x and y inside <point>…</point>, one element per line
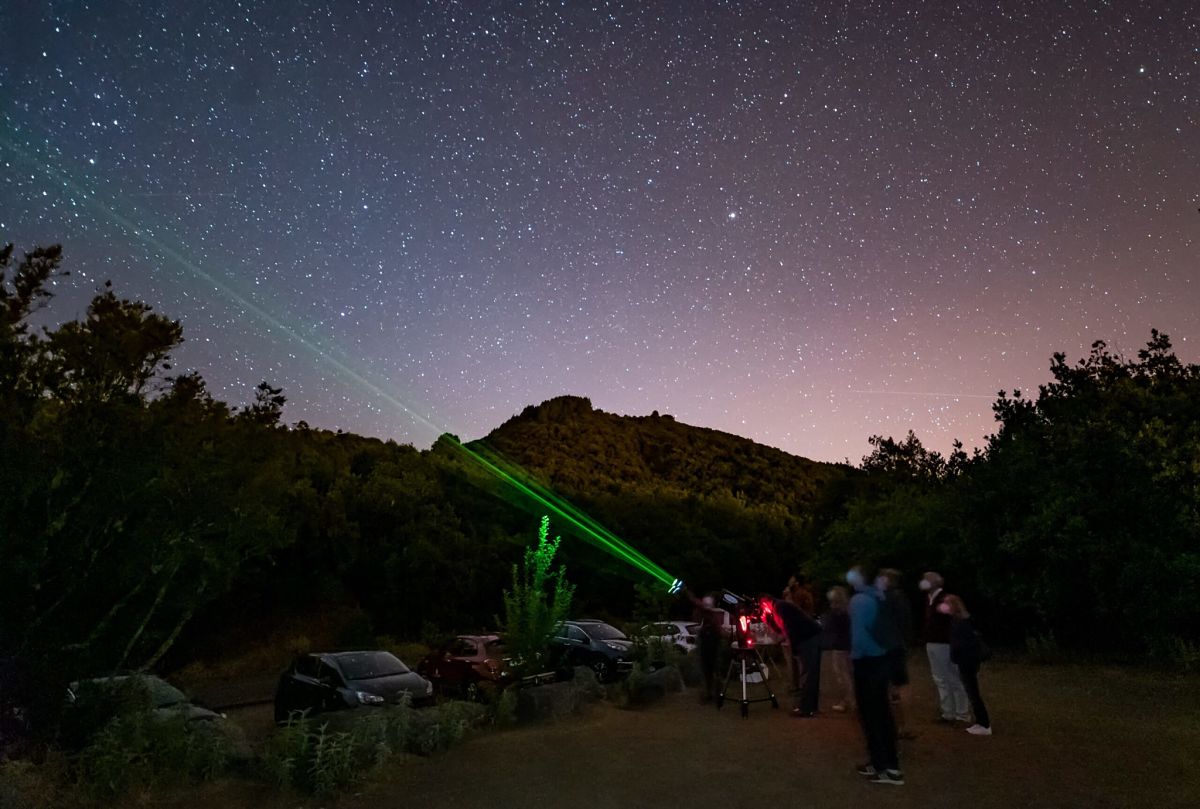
<point>747,661</point>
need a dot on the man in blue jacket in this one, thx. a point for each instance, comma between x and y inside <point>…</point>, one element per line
<point>870,621</point>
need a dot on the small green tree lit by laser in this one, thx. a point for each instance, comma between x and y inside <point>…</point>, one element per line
<point>539,600</point>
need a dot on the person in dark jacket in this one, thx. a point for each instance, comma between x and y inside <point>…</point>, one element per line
<point>705,614</point>
<point>804,640</point>
<point>809,653</point>
<point>888,583</point>
<point>966,654</point>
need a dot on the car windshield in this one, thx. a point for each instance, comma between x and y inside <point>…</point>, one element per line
<point>369,665</point>
<point>603,632</point>
<point>163,694</point>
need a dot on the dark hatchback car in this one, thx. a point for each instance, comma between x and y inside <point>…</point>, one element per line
<point>468,666</point>
<point>338,680</point>
<point>601,647</point>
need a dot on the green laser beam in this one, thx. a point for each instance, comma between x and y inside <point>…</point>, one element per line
<point>502,469</point>
<point>566,509</point>
<point>591,530</point>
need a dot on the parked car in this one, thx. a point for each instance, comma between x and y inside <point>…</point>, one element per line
<point>466,664</point>
<point>91,704</point>
<point>680,634</point>
<point>601,647</point>
<point>334,681</point>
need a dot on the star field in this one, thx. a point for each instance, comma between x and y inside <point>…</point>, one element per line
<point>805,223</point>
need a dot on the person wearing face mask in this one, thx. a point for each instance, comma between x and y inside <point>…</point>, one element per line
<point>966,650</point>
<point>952,697</point>
<point>869,620</point>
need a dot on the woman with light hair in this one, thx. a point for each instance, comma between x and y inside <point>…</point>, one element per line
<point>966,652</point>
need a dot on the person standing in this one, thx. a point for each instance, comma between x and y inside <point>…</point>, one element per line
<point>705,614</point>
<point>871,678</point>
<point>835,629</point>
<point>952,697</point>
<point>888,583</point>
<point>966,650</point>
<point>800,631</point>
<point>808,653</point>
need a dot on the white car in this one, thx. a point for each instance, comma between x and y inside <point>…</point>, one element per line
<point>680,634</point>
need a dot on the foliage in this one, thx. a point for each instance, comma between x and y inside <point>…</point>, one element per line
<point>328,756</point>
<point>503,709</point>
<point>540,599</point>
<point>145,749</point>
<point>1076,524</point>
<point>312,757</point>
<point>1043,648</point>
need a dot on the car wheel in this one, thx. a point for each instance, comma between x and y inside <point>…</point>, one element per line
<point>603,669</point>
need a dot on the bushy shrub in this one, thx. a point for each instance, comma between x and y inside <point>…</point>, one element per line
<point>312,757</point>
<point>503,709</point>
<point>25,785</point>
<point>145,749</point>
<point>1043,648</point>
<point>327,757</point>
<point>1177,653</point>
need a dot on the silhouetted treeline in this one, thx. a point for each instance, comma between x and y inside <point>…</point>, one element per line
<point>1078,521</point>
<point>138,514</point>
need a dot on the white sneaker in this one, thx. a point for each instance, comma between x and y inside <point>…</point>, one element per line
<point>979,730</point>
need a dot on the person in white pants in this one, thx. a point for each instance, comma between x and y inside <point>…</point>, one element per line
<point>952,697</point>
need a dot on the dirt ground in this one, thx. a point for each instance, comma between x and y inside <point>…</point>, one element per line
<point>1068,736</point>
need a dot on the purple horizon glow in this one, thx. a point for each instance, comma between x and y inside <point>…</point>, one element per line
<point>800,223</point>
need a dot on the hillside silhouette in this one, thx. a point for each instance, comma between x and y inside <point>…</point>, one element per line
<point>574,447</point>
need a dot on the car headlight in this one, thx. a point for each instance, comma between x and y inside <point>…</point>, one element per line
<point>368,699</point>
<point>614,647</point>
<point>429,688</point>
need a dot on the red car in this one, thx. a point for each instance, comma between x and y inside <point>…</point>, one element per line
<point>465,664</point>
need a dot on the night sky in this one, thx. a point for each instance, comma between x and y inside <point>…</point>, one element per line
<point>802,222</point>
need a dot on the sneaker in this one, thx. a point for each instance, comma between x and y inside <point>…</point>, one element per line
<point>946,720</point>
<point>979,730</point>
<point>867,770</point>
<point>893,777</point>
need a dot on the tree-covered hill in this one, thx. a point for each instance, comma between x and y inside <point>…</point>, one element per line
<point>713,508</point>
<point>576,448</point>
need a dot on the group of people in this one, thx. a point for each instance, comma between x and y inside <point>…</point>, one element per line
<point>867,630</point>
